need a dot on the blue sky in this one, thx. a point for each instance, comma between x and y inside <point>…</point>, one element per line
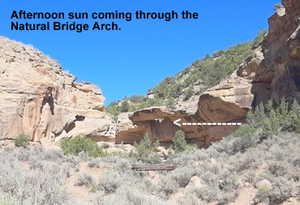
<point>130,61</point>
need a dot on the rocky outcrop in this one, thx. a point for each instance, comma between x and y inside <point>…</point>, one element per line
<point>40,100</point>
<point>280,68</point>
<point>272,72</point>
<point>229,101</point>
<point>157,121</point>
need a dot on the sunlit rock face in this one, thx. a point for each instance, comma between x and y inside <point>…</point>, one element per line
<point>271,72</point>
<point>38,99</point>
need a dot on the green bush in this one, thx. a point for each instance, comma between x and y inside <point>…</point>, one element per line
<point>22,141</point>
<point>278,6</point>
<point>113,109</point>
<point>171,103</point>
<point>81,144</point>
<point>259,39</point>
<point>276,117</point>
<point>124,107</point>
<point>188,94</point>
<point>265,122</point>
<point>145,150</point>
<point>245,137</point>
<point>179,142</point>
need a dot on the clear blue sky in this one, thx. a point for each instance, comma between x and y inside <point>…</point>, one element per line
<point>130,61</point>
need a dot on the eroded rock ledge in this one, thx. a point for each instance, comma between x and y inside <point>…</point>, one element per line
<point>272,72</point>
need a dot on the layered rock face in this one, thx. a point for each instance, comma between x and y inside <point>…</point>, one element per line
<point>39,100</point>
<point>272,72</point>
<point>280,68</point>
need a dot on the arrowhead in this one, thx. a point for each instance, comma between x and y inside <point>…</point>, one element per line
<point>176,122</point>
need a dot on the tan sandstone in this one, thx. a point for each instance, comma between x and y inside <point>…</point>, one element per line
<point>40,100</point>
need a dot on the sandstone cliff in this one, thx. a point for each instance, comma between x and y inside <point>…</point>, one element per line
<point>40,100</point>
<point>271,72</point>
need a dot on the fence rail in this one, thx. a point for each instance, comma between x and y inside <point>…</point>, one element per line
<point>153,167</point>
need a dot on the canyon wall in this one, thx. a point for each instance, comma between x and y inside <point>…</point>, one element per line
<point>271,72</point>
<point>38,99</point>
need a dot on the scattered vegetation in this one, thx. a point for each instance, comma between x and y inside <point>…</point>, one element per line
<point>42,182</point>
<point>264,149</point>
<point>188,93</point>
<point>85,180</point>
<point>22,141</point>
<point>278,6</point>
<point>179,142</point>
<point>80,144</point>
<point>267,121</point>
<point>145,150</point>
<point>259,39</point>
<point>192,81</point>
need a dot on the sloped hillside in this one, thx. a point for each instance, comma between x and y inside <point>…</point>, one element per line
<point>192,81</point>
<point>178,98</point>
<point>271,72</point>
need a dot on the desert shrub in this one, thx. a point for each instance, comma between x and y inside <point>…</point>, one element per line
<point>167,186</point>
<point>277,169</point>
<point>276,117</point>
<point>247,161</point>
<point>260,37</point>
<point>124,106</point>
<point>190,199</point>
<point>93,164</point>
<point>265,122</point>
<point>188,93</point>
<point>180,144</point>
<point>6,199</point>
<point>207,193</point>
<point>249,177</point>
<point>53,155</point>
<point>113,109</point>
<point>130,196</point>
<point>137,99</point>
<point>80,144</point>
<point>278,6</point>
<point>136,197</point>
<point>245,137</point>
<point>183,175</point>
<point>145,150</point>
<point>23,155</point>
<point>22,141</point>
<point>171,103</point>
<point>280,192</point>
<point>85,180</point>
<point>110,182</point>
<point>43,184</point>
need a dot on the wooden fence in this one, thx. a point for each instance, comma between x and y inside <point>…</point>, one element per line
<point>153,167</point>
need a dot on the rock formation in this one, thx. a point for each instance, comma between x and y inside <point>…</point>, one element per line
<point>40,100</point>
<point>272,72</point>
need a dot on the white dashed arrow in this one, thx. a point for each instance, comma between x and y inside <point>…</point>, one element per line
<point>176,122</point>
